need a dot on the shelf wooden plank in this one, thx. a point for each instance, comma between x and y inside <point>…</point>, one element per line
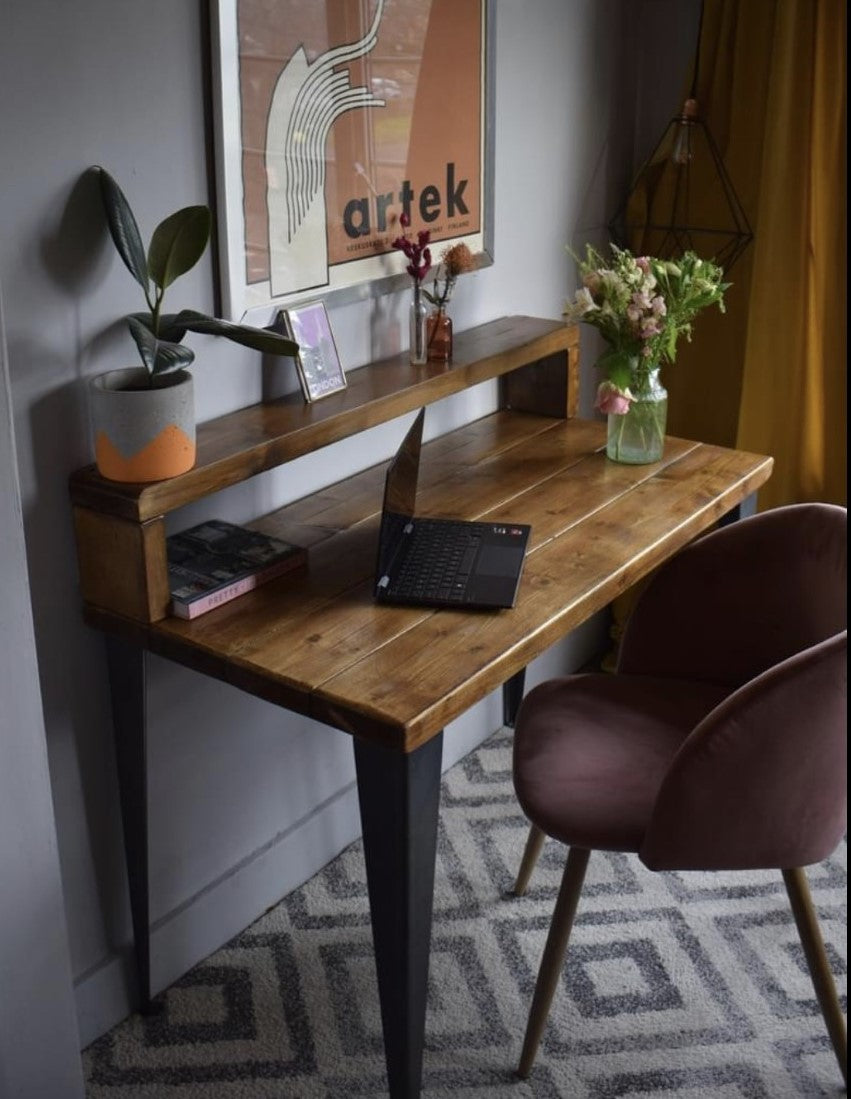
<point>248,441</point>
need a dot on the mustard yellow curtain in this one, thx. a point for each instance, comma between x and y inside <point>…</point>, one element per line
<point>770,375</point>
<point>794,383</point>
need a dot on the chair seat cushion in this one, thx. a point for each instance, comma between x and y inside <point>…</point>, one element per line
<point>590,752</point>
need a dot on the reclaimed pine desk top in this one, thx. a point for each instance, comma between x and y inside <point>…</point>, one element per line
<point>314,642</point>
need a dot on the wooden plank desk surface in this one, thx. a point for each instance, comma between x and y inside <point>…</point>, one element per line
<point>315,642</point>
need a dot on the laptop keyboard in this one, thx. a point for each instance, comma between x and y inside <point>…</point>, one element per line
<point>438,561</point>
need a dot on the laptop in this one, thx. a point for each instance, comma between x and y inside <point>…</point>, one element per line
<point>441,562</point>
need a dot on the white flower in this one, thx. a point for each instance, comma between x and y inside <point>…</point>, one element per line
<point>582,303</point>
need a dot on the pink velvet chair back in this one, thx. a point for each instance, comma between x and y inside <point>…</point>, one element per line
<point>743,598</point>
<point>759,606</point>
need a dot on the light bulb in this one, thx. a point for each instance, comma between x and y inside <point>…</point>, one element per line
<point>681,152</point>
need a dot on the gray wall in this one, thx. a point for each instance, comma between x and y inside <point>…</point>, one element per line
<point>35,973</point>
<point>246,801</point>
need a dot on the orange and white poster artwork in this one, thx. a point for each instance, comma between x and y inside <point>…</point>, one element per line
<point>334,118</point>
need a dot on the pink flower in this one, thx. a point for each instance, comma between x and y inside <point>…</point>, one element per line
<point>641,299</point>
<point>611,400</point>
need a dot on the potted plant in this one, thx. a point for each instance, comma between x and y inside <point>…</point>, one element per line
<point>143,417</point>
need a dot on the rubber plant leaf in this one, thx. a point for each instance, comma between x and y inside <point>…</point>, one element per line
<point>123,228</point>
<point>159,356</point>
<point>168,328</point>
<point>178,243</point>
<point>258,339</point>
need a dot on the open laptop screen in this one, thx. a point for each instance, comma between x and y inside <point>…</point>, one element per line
<point>400,493</point>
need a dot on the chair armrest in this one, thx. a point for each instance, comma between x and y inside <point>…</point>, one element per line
<point>761,781</point>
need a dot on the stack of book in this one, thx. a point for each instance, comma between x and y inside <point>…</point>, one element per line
<point>216,561</point>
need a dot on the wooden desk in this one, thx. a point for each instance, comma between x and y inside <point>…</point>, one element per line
<point>316,643</point>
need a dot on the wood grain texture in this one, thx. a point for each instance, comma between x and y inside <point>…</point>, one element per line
<point>436,670</point>
<point>122,564</point>
<point>548,387</point>
<point>241,444</point>
<point>318,644</point>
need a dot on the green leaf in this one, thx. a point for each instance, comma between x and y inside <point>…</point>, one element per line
<point>258,339</point>
<point>123,228</point>
<point>178,243</point>
<point>167,330</point>
<point>170,328</point>
<point>617,366</point>
<point>159,356</point>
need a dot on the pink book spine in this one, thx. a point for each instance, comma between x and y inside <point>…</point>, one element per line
<point>239,587</point>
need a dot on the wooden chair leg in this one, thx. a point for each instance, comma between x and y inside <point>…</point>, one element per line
<point>553,959</point>
<point>531,854</point>
<point>819,966</point>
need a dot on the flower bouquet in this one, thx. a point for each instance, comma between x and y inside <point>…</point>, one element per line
<point>641,306</point>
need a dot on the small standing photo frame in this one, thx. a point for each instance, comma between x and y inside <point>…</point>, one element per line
<point>319,370</point>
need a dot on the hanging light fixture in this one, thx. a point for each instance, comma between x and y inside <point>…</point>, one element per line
<point>682,198</point>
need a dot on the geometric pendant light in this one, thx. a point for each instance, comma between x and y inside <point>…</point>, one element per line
<point>682,198</point>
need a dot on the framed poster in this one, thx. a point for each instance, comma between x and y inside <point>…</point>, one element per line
<point>319,370</point>
<point>333,117</point>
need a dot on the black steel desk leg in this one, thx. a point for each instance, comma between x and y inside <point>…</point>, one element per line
<point>399,800</point>
<point>512,696</point>
<point>741,511</point>
<point>129,719</point>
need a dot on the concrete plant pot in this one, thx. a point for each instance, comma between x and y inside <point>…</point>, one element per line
<point>142,433</point>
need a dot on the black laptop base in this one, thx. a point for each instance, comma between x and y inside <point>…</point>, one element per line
<point>469,565</point>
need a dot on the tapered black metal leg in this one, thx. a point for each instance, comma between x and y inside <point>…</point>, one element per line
<point>127,666</point>
<point>741,511</point>
<point>399,801</point>
<point>512,696</point>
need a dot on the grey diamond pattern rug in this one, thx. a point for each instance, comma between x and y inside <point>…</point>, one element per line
<point>682,985</point>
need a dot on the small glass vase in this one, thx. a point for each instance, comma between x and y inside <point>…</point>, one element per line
<point>638,436</point>
<point>418,328</point>
<point>439,336</point>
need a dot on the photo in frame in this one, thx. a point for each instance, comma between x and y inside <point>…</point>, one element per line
<point>334,117</point>
<point>318,364</point>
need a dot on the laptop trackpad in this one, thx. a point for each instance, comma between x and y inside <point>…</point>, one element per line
<point>499,560</point>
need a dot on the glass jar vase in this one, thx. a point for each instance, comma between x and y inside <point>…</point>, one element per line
<point>638,436</point>
<point>439,336</point>
<point>418,319</point>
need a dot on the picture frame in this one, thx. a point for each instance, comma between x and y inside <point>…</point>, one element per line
<point>320,372</point>
<point>331,119</point>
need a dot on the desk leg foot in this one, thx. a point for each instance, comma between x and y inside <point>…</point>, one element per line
<point>127,667</point>
<point>399,800</point>
<point>512,696</point>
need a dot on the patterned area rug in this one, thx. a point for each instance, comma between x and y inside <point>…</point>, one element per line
<point>683,985</point>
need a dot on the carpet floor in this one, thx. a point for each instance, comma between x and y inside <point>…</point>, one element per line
<point>682,985</point>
